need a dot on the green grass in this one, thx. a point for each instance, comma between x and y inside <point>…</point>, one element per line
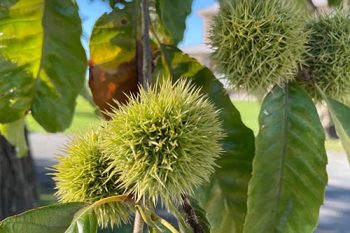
<point>250,111</point>
<point>85,116</point>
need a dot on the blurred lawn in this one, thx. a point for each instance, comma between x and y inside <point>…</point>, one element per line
<point>250,111</point>
<point>85,117</point>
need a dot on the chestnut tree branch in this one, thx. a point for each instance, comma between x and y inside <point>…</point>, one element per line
<point>146,44</point>
<point>138,223</point>
<point>146,76</point>
<point>191,216</point>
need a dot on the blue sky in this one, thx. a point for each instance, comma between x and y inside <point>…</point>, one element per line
<point>194,31</point>
<point>90,10</point>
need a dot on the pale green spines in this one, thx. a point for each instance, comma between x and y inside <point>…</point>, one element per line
<point>328,55</point>
<point>81,177</point>
<point>258,44</point>
<point>164,143</point>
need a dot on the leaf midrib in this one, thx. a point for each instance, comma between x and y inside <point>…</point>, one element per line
<point>283,152</point>
<point>37,78</point>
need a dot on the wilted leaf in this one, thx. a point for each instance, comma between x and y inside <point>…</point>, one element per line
<point>42,61</point>
<point>113,38</point>
<point>289,176</point>
<point>113,66</point>
<point>108,86</point>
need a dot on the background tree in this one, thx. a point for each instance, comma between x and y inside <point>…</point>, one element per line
<point>17,181</point>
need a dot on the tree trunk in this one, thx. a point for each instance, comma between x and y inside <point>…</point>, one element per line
<point>18,188</point>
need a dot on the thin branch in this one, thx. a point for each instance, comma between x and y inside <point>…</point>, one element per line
<point>146,76</point>
<point>138,223</point>
<point>191,216</point>
<point>146,44</point>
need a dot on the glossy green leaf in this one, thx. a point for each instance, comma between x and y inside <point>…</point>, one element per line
<point>42,61</point>
<point>14,132</point>
<point>341,117</point>
<point>173,16</point>
<point>49,219</point>
<point>113,39</point>
<point>228,214</point>
<point>289,170</point>
<point>225,197</point>
<point>86,223</point>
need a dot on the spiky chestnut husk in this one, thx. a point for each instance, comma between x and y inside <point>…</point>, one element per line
<point>328,55</point>
<point>81,176</point>
<point>164,143</point>
<point>258,43</point>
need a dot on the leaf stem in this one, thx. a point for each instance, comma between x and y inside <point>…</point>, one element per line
<point>146,44</point>
<point>119,198</point>
<point>153,220</point>
<point>164,56</point>
<point>165,223</point>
